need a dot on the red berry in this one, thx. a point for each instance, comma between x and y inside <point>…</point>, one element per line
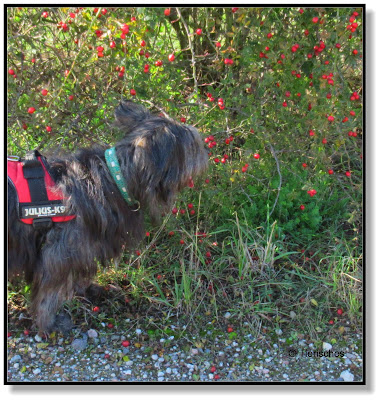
<point>302,207</point>
<point>315,20</point>
<point>171,57</point>
<point>339,311</point>
<point>198,31</point>
<point>212,369</point>
<point>230,329</point>
<point>324,140</point>
<point>71,97</point>
<point>217,44</point>
<point>348,173</point>
<point>143,43</point>
<point>132,92</point>
<point>31,110</point>
<point>331,322</point>
<point>182,241</point>
<point>45,14</point>
<point>96,309</point>
<point>26,332</point>
<point>330,118</point>
<point>354,52</point>
<point>11,72</point>
<point>257,156</point>
<point>167,12</point>
<point>125,343</point>
<point>48,128</point>
<point>44,92</point>
<point>330,171</point>
<point>174,210</point>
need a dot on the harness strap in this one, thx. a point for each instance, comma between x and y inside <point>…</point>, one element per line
<point>35,175</point>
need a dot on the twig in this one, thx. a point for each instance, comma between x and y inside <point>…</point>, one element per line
<point>279,173</point>
<point>192,51</point>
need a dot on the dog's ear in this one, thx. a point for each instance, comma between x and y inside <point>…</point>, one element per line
<point>128,115</point>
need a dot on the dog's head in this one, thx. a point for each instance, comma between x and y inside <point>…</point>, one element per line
<point>158,155</point>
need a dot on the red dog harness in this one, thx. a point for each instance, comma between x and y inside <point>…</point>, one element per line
<point>39,201</point>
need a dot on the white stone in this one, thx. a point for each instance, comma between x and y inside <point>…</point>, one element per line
<point>347,376</point>
<point>326,346</point>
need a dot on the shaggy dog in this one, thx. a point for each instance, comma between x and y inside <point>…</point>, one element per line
<point>157,157</point>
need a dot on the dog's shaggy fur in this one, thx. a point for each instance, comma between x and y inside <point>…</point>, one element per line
<point>157,157</point>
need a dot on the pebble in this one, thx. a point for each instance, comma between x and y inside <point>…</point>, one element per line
<point>347,376</point>
<point>326,346</point>
<point>154,357</point>
<point>91,333</point>
<point>79,344</point>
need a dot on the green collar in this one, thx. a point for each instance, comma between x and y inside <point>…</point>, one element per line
<point>115,170</point>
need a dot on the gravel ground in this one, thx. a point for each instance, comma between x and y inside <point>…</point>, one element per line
<point>101,356</point>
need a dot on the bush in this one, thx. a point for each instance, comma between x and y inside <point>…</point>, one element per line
<point>276,93</point>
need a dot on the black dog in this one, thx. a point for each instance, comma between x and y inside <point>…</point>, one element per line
<point>157,158</point>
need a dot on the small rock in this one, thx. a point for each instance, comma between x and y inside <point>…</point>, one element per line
<point>36,371</point>
<point>227,315</point>
<point>326,346</point>
<point>79,344</point>
<point>154,357</point>
<point>91,333</point>
<point>15,358</point>
<point>38,338</point>
<point>347,376</point>
<point>278,331</point>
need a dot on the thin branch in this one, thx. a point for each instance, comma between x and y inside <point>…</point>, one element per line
<point>279,173</point>
<point>192,51</point>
